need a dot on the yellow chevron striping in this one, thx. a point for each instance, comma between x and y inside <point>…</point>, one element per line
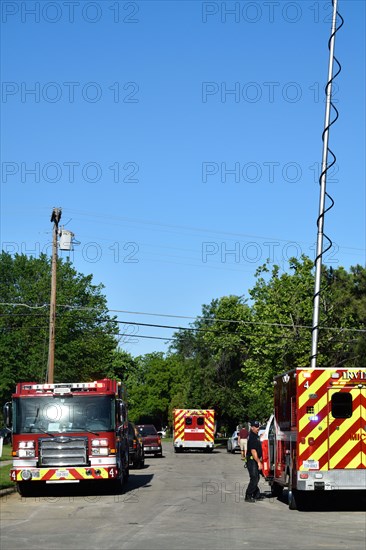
<point>318,406</point>
<point>80,474</point>
<point>314,386</point>
<point>336,456</point>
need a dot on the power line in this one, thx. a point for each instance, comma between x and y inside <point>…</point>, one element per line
<point>137,335</point>
<point>213,320</point>
<point>168,227</point>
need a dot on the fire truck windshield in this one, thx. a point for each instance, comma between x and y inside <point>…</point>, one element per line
<point>60,414</point>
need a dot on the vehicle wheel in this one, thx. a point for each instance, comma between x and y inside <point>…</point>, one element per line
<point>118,484</point>
<point>25,488</point>
<point>295,500</point>
<point>298,500</point>
<point>232,451</point>
<point>276,489</point>
<point>142,464</point>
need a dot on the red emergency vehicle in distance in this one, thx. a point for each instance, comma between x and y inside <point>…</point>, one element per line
<point>316,438</point>
<point>193,429</point>
<point>67,433</point>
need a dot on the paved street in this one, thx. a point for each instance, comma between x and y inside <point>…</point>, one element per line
<point>181,501</point>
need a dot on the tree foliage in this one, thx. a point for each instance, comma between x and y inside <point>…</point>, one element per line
<point>233,363</point>
<point>226,359</point>
<point>85,333</point>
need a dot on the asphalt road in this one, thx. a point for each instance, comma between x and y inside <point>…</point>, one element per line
<point>183,502</point>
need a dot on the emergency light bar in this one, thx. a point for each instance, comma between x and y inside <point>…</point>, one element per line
<point>64,388</point>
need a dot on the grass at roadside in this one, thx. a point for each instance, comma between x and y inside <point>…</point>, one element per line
<point>6,453</point>
<point>5,481</point>
<point>5,470</point>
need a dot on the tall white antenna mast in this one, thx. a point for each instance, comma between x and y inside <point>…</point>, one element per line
<point>323,181</point>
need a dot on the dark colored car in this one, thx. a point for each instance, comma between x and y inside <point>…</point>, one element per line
<point>151,439</point>
<point>136,447</point>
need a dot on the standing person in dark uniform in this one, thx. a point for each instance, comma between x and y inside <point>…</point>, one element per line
<point>254,463</point>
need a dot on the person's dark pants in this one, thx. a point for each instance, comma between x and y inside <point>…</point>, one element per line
<point>252,489</point>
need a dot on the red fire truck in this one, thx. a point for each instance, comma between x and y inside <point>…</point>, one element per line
<point>193,429</point>
<point>316,438</point>
<point>67,433</point>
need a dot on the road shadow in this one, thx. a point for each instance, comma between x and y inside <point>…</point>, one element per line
<point>327,501</point>
<point>137,479</point>
<point>187,450</point>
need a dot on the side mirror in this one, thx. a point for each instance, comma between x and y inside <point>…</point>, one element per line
<point>122,412</point>
<point>8,414</point>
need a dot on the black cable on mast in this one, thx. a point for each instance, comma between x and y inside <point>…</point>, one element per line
<point>320,251</point>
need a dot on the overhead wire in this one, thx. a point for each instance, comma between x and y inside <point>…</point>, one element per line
<point>177,327</point>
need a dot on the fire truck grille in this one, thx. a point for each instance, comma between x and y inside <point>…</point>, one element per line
<point>63,451</point>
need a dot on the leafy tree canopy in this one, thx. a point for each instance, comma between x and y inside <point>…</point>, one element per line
<point>85,333</point>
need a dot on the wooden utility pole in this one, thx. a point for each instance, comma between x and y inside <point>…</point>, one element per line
<point>55,218</point>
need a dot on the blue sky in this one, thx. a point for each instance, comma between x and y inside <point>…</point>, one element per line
<point>182,141</point>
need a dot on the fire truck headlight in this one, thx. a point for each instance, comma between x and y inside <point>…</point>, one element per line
<point>26,475</point>
<point>26,453</point>
<point>99,442</point>
<point>26,449</point>
<point>99,451</point>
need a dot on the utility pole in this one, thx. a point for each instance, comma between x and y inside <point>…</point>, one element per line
<point>55,218</point>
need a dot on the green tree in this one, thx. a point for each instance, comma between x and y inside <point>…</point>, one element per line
<point>153,384</point>
<point>212,351</point>
<point>85,333</point>
<point>233,351</point>
<point>347,316</point>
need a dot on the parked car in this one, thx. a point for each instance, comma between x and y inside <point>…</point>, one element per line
<point>151,439</point>
<point>136,447</point>
<point>232,443</point>
<point>261,431</point>
<point>163,431</point>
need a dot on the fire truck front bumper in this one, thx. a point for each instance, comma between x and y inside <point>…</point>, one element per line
<point>64,475</point>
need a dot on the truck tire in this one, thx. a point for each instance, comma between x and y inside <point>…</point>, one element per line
<point>292,503</point>
<point>276,489</point>
<point>297,500</point>
<point>25,488</point>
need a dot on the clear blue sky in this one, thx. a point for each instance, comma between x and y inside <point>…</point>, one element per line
<point>182,141</point>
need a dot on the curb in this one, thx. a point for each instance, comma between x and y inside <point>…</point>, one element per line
<point>7,491</point>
